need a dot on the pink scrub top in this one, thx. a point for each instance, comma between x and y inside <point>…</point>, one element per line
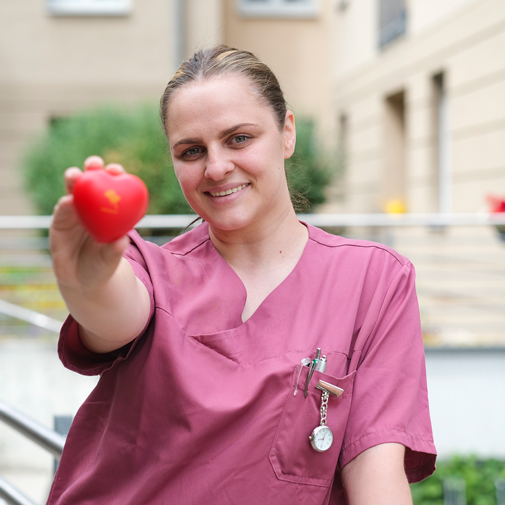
<point>201,407</point>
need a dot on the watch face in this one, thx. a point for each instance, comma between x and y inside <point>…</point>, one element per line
<point>321,438</point>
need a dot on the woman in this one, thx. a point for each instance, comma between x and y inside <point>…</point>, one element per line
<point>210,391</point>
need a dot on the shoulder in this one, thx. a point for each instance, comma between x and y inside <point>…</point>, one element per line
<point>182,245</point>
<point>357,250</point>
<point>189,241</point>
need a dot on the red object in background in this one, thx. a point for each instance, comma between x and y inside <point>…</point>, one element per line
<point>109,205</point>
<point>496,203</point>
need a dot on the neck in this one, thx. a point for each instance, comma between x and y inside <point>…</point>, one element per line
<point>264,245</point>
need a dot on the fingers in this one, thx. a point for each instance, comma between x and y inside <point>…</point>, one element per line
<point>115,169</point>
<point>64,215</point>
<point>93,163</point>
<point>70,176</point>
<point>97,163</point>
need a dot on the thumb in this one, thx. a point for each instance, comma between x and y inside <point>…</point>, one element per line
<point>114,250</point>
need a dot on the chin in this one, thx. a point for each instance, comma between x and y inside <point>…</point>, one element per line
<point>230,223</point>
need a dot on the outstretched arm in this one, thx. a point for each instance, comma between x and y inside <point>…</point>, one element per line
<point>377,477</point>
<point>98,285</point>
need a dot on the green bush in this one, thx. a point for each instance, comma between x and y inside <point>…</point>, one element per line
<point>135,138</point>
<point>310,169</point>
<point>479,476</point>
<point>132,137</point>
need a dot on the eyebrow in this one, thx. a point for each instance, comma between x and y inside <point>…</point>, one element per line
<point>222,134</point>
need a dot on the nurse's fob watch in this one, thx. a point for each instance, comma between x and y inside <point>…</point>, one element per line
<point>322,437</point>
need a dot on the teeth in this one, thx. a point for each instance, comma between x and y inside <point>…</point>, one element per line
<point>229,191</point>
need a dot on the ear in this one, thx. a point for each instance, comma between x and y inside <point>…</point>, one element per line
<point>289,135</point>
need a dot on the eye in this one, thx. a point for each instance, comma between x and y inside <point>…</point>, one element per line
<point>239,139</point>
<point>192,152</point>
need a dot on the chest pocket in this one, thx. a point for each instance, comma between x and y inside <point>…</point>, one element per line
<point>291,455</point>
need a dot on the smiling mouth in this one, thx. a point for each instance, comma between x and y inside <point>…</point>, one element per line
<point>229,191</point>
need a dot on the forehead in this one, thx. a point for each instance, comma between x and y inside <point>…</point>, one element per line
<point>226,97</point>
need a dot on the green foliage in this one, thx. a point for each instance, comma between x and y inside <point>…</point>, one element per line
<point>479,476</point>
<point>309,170</point>
<point>132,137</point>
<point>135,138</point>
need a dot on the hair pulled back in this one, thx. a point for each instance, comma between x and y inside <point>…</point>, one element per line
<point>220,60</point>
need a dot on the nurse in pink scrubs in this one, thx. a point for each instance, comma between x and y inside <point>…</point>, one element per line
<point>253,359</point>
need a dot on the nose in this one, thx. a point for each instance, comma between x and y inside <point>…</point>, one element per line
<point>218,165</point>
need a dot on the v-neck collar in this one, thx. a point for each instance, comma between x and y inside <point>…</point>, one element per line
<point>236,340</point>
<point>239,285</point>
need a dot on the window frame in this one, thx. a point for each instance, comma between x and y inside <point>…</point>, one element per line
<point>89,7</point>
<point>394,28</point>
<point>278,9</point>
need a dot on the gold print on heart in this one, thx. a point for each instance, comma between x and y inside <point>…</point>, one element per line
<point>113,198</point>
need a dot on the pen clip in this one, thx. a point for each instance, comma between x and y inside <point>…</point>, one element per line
<point>311,371</point>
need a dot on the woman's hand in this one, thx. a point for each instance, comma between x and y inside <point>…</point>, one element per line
<point>98,285</point>
<point>80,262</point>
<point>377,477</point>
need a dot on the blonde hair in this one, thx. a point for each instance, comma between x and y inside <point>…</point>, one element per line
<point>220,60</point>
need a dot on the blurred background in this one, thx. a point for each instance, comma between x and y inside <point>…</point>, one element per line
<point>400,106</point>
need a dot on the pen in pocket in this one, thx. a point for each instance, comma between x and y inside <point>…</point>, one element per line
<point>321,364</point>
<point>311,371</point>
<point>318,363</point>
<point>304,362</point>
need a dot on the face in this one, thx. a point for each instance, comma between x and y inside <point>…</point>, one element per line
<point>228,153</point>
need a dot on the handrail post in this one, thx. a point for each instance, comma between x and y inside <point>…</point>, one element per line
<point>62,426</point>
<point>454,491</point>
<point>500,491</point>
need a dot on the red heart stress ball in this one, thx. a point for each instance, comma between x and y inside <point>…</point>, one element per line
<point>109,204</point>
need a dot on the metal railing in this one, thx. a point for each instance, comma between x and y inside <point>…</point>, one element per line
<point>30,316</point>
<point>12,495</point>
<point>47,439</point>
<point>178,221</point>
<point>44,437</point>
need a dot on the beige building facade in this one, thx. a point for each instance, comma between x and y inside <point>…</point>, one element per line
<point>60,56</point>
<point>53,64</point>
<point>420,117</point>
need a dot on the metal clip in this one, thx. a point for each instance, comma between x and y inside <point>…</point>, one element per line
<point>329,388</point>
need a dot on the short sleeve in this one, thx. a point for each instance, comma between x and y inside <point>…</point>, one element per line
<point>75,355</point>
<point>390,397</point>
<point>138,263</point>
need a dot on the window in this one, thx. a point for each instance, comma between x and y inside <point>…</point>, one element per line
<point>442,161</point>
<point>89,7</point>
<point>392,20</point>
<point>278,8</point>
<point>394,154</point>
